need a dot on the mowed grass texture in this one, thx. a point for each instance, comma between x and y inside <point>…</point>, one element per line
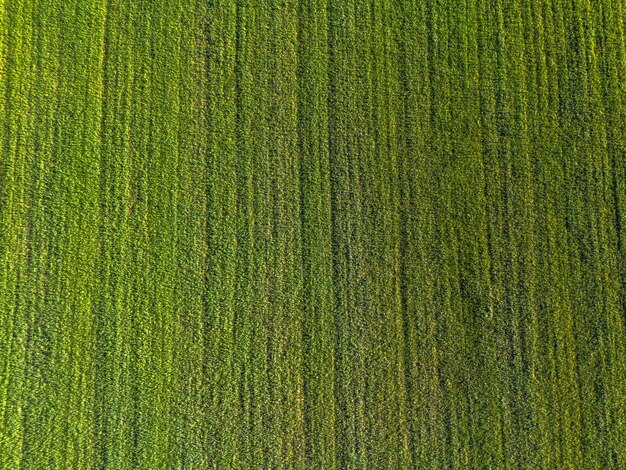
<point>334,234</point>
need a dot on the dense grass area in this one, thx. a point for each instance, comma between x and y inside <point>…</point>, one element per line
<point>335,234</point>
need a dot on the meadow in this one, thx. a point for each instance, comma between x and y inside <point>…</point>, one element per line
<point>314,234</point>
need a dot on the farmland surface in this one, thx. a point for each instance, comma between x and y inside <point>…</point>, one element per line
<point>312,234</point>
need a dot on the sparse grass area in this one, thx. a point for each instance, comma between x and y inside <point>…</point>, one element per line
<point>335,234</point>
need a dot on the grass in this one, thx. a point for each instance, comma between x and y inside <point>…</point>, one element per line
<point>312,234</point>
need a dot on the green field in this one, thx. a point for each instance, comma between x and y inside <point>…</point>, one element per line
<point>312,234</point>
